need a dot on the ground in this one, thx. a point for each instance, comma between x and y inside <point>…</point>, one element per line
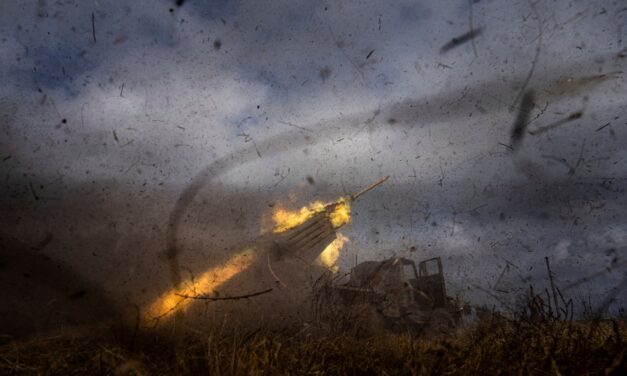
<point>493,345</point>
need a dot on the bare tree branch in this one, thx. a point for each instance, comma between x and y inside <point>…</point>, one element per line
<point>216,298</point>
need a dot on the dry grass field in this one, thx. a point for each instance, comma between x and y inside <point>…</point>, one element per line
<point>492,346</point>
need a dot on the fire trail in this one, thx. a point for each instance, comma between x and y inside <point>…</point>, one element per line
<point>308,234</point>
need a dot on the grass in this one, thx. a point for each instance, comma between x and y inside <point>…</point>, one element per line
<point>493,345</point>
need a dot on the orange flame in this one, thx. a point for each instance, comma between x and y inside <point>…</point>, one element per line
<point>175,299</point>
<point>339,215</point>
<point>287,219</point>
<point>331,253</point>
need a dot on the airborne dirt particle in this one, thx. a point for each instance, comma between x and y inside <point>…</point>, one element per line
<point>93,27</point>
<point>217,44</point>
<point>600,128</point>
<point>571,117</point>
<point>78,294</point>
<point>522,120</point>
<point>457,41</point>
<point>120,39</point>
<point>325,73</point>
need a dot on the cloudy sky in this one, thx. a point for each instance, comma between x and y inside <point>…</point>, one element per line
<point>119,119</point>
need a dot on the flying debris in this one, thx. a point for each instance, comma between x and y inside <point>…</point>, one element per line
<point>464,38</point>
<point>571,117</point>
<point>522,120</point>
<point>573,85</point>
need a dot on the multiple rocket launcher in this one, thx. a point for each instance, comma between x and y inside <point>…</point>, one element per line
<point>309,238</point>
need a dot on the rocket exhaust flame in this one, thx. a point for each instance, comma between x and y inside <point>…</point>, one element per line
<point>177,299</point>
<point>338,211</point>
<point>331,254</point>
<point>310,231</point>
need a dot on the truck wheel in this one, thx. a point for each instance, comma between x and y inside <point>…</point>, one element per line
<point>440,322</point>
<point>367,321</point>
